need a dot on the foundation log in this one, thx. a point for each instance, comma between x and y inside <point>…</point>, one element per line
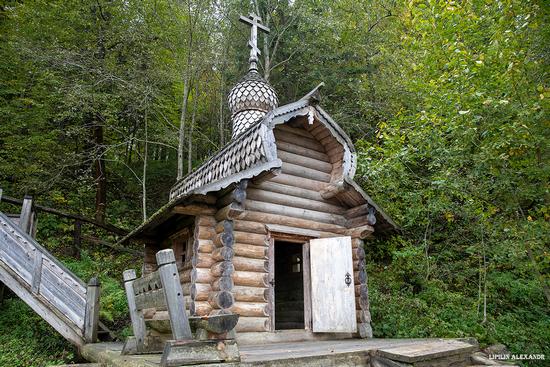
<point>251,324</point>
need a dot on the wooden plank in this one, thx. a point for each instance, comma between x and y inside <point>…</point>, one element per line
<point>174,295</point>
<point>331,262</point>
<point>307,286</point>
<point>151,299</point>
<point>276,228</point>
<point>25,219</point>
<point>426,351</point>
<point>91,320</point>
<point>37,272</point>
<point>138,323</point>
<point>57,320</point>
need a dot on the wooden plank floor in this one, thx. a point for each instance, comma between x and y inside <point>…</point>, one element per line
<point>349,352</point>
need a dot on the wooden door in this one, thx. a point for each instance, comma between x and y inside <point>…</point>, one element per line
<point>332,288</point>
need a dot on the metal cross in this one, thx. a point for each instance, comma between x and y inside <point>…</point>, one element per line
<point>255,22</point>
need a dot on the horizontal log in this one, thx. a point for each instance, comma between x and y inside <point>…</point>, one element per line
<point>206,220</point>
<point>201,260</point>
<point>250,294</point>
<point>295,130</point>
<point>293,201</point>
<point>224,239</point>
<point>206,233</point>
<point>222,254</point>
<point>200,308</point>
<point>224,268</point>
<point>194,209</point>
<point>262,217</point>
<point>361,221</point>
<point>296,149</point>
<point>253,309</point>
<point>250,238</point>
<point>197,275</point>
<point>221,299</point>
<point>251,279</point>
<point>252,324</point>
<point>222,284</point>
<point>247,264</point>
<point>292,191</point>
<point>250,227</point>
<point>230,211</point>
<point>251,251</point>
<point>236,195</point>
<point>304,172</point>
<point>311,163</point>
<point>361,232</point>
<point>197,291</point>
<point>301,141</point>
<point>299,182</point>
<point>357,211</point>
<point>204,246</point>
<point>294,212</point>
<point>224,226</point>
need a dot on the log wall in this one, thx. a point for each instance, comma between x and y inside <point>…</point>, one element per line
<point>291,199</point>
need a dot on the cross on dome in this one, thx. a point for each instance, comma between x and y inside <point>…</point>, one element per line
<point>255,23</point>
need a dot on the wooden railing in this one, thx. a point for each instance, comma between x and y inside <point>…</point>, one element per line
<point>46,285</point>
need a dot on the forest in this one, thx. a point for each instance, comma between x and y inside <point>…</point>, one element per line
<point>105,104</point>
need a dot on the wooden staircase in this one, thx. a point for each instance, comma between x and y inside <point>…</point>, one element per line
<point>56,294</point>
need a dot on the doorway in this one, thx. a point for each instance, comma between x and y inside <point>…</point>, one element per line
<point>289,285</point>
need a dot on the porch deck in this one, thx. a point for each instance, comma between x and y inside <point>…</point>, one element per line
<point>350,352</point>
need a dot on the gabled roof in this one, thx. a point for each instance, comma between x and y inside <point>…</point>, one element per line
<point>254,152</point>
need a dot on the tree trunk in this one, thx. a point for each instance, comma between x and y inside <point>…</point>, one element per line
<point>100,176</point>
<point>191,129</point>
<point>144,176</point>
<point>181,138</point>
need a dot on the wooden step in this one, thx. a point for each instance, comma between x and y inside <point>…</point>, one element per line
<point>431,353</point>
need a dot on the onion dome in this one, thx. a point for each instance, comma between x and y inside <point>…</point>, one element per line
<point>249,100</point>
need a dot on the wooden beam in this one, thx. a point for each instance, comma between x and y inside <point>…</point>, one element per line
<point>194,209</point>
<point>45,209</point>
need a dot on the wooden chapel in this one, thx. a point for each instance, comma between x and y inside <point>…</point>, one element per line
<point>272,227</point>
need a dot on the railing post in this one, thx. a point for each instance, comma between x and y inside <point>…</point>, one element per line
<point>25,218</point>
<point>91,318</point>
<point>138,323</point>
<point>170,279</point>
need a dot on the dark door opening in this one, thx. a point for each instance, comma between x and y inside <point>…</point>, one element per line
<point>289,286</point>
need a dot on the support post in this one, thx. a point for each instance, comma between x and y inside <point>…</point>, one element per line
<point>169,277</point>
<point>25,219</point>
<point>138,323</point>
<point>92,311</point>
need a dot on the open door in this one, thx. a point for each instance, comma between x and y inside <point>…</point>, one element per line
<point>332,288</point>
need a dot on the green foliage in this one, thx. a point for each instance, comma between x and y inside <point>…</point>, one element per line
<point>447,103</point>
<point>28,341</point>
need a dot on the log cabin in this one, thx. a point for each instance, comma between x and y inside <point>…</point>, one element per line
<point>272,227</point>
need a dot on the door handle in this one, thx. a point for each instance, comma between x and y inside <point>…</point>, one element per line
<point>347,279</point>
